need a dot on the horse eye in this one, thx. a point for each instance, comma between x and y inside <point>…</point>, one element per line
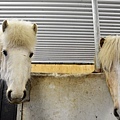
<point>31,54</point>
<point>5,52</point>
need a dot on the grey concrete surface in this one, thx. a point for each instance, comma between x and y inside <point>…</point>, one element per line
<point>68,97</point>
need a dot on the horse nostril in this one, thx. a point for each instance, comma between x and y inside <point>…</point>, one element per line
<point>24,94</point>
<point>116,113</point>
<point>9,95</point>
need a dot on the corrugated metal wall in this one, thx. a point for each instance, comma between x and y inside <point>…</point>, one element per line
<point>109,16</point>
<point>65,27</point>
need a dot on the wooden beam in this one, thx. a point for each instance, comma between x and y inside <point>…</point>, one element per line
<point>62,68</point>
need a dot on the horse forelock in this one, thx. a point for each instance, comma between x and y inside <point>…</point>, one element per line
<point>19,33</point>
<point>109,54</point>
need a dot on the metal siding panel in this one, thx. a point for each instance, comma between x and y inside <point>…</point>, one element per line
<point>109,15</point>
<point>65,28</point>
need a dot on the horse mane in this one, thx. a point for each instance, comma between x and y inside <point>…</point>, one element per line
<point>110,52</point>
<point>19,33</point>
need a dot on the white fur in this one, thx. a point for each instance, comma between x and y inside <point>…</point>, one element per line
<point>15,70</point>
<point>110,52</point>
<point>109,57</point>
<point>19,33</point>
<point>19,40</point>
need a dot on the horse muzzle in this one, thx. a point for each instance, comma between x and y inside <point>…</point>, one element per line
<point>15,100</point>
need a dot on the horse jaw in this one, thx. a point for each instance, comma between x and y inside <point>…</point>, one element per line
<point>117,109</point>
<point>113,83</point>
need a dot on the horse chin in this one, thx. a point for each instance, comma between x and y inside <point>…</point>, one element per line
<point>15,101</point>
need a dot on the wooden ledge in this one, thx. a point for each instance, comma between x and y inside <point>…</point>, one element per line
<point>62,68</point>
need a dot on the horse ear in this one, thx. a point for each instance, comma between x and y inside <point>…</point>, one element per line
<point>4,25</point>
<point>35,28</point>
<point>102,40</point>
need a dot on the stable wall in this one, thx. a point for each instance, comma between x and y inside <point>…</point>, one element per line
<point>68,97</point>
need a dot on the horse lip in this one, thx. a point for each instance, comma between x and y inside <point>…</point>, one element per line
<point>16,100</point>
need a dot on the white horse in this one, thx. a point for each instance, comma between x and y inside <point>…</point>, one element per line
<point>18,39</point>
<point>109,56</point>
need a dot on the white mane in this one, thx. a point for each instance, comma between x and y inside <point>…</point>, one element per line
<point>110,52</point>
<point>19,33</point>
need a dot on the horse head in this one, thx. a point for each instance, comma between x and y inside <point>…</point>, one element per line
<point>18,41</point>
<point>109,57</point>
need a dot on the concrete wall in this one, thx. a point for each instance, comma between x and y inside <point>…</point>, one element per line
<point>68,97</point>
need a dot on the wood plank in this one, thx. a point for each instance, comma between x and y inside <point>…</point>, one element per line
<point>62,68</point>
